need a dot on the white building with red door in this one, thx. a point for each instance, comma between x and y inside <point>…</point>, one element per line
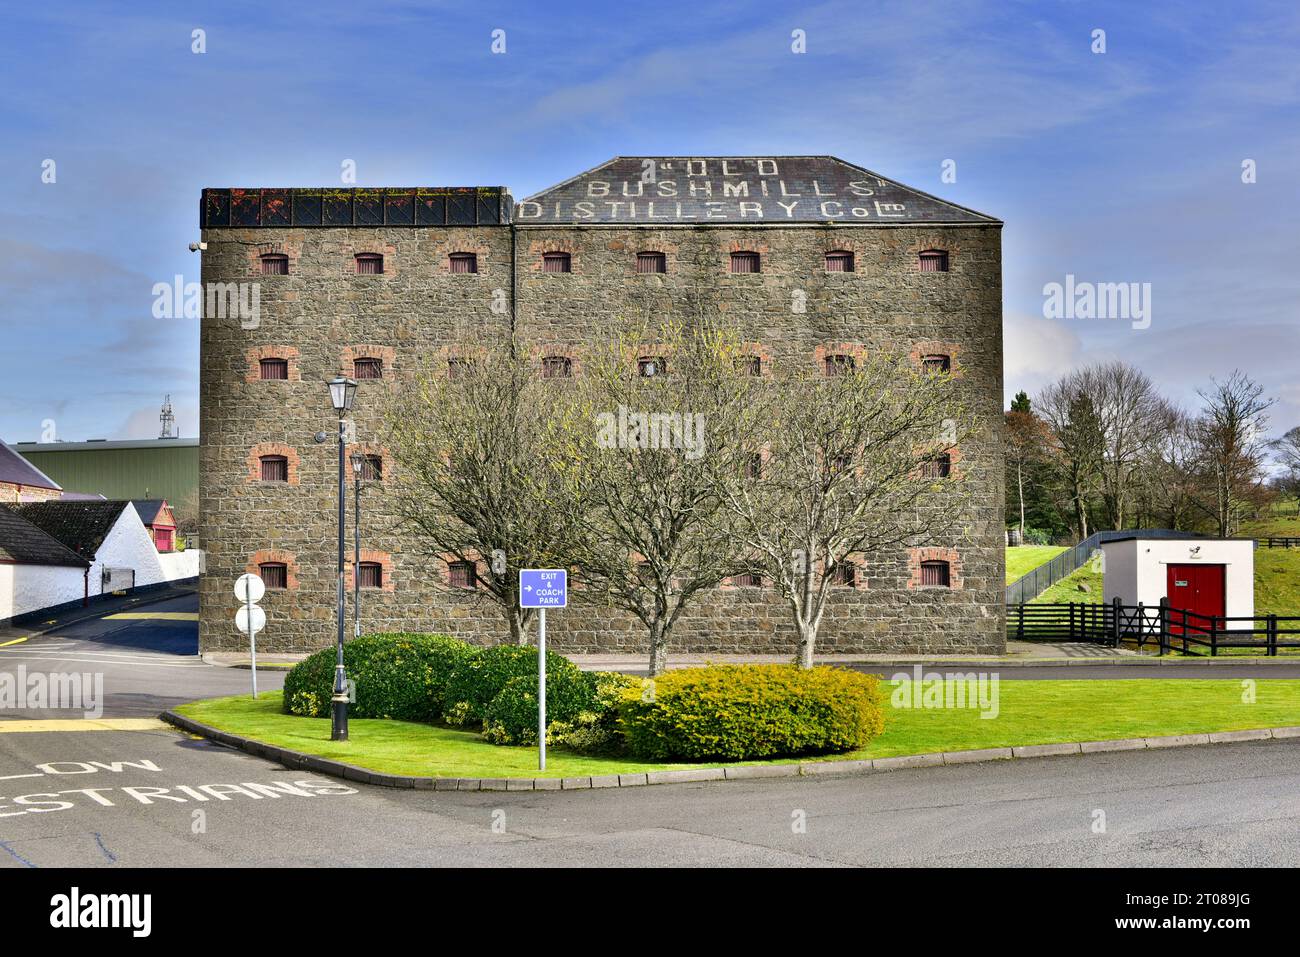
<point>1214,577</point>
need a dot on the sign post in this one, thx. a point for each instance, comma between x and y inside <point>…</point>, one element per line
<point>542,588</point>
<point>250,619</point>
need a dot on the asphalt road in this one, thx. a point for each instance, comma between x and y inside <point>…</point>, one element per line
<point>156,797</point>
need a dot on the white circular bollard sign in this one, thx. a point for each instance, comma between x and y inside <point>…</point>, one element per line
<point>252,584</point>
<point>259,618</point>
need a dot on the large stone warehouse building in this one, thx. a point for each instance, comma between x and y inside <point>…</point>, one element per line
<point>811,257</point>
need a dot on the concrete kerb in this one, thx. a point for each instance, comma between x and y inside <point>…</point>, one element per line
<point>298,760</point>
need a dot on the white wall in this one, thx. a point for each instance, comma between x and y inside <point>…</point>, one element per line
<point>1136,569</point>
<point>25,588</point>
<point>129,545</point>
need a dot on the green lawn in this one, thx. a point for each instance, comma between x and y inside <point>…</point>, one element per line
<point>1022,559</point>
<point>1030,712</point>
<point>1067,591</point>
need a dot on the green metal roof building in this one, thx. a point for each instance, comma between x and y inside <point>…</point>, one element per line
<point>143,468</point>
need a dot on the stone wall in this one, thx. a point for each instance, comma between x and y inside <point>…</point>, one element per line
<point>322,315</point>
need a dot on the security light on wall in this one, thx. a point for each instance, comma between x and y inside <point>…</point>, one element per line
<point>196,247</point>
<point>342,391</point>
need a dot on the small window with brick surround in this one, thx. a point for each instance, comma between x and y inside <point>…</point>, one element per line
<point>274,468</point>
<point>273,368</point>
<point>462,574</point>
<point>367,368</point>
<point>844,574</point>
<point>463,262</point>
<point>935,574</point>
<point>371,575</point>
<point>557,262</point>
<point>557,367</point>
<point>936,363</point>
<point>839,260</point>
<point>937,466</point>
<point>837,364</point>
<point>750,365</point>
<point>372,468</point>
<point>651,262</point>
<point>754,466</point>
<point>749,580</point>
<point>648,367</point>
<point>274,574</point>
<point>934,260</point>
<point>369,264</point>
<point>275,264</point>
<point>457,368</point>
<point>745,262</point>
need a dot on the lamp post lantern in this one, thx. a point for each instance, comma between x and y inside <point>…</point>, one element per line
<point>342,392</point>
<point>358,468</point>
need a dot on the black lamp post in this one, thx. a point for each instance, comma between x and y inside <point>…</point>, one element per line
<point>358,469</point>
<point>342,391</point>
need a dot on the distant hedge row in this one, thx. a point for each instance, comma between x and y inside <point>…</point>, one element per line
<point>735,712</point>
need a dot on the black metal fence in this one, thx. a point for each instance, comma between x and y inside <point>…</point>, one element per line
<point>1156,627</point>
<point>1280,542</point>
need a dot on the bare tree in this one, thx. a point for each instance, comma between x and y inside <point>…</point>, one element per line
<point>1076,445</point>
<point>652,541</point>
<point>484,471</point>
<point>1231,433</point>
<point>1025,439</point>
<point>851,464</point>
<point>1288,454</point>
<point>1172,470</point>
<point>1130,414</point>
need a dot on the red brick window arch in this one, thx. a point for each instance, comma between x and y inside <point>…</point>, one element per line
<point>839,260</point>
<point>274,264</point>
<point>276,567</point>
<point>844,574</point>
<point>370,575</point>
<point>749,580</point>
<point>557,262</point>
<point>272,462</point>
<point>937,466</point>
<point>648,262</point>
<point>936,362</point>
<point>933,260</point>
<point>649,367</point>
<point>369,264</point>
<point>463,262</point>
<point>745,261</point>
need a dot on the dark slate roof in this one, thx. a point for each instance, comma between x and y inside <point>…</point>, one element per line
<point>148,508</point>
<point>24,543</point>
<point>17,470</point>
<point>752,190</point>
<point>82,526</point>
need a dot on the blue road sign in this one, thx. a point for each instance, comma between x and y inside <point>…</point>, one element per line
<point>543,588</point>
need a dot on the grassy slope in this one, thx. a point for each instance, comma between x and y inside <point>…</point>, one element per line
<point>1022,559</point>
<point>1031,712</point>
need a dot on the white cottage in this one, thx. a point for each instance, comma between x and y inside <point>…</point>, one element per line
<point>1214,577</point>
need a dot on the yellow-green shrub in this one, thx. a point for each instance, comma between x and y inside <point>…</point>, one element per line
<point>745,712</point>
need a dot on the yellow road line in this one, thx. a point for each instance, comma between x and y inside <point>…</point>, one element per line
<point>88,724</point>
<point>155,615</point>
<point>16,641</point>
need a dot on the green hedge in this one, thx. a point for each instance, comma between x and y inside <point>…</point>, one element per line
<point>397,675</point>
<point>747,712</point>
<point>497,688</point>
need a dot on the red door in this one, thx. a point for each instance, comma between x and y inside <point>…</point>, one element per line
<point>1196,588</point>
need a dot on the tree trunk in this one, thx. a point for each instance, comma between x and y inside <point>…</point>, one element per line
<point>658,648</point>
<point>518,633</point>
<point>807,640</point>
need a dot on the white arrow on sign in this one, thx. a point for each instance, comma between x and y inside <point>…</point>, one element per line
<point>253,585</point>
<point>259,618</point>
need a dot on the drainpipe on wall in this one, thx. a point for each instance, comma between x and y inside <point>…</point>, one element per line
<point>85,597</point>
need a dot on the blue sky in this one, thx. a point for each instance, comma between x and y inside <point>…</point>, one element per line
<point>1122,166</point>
